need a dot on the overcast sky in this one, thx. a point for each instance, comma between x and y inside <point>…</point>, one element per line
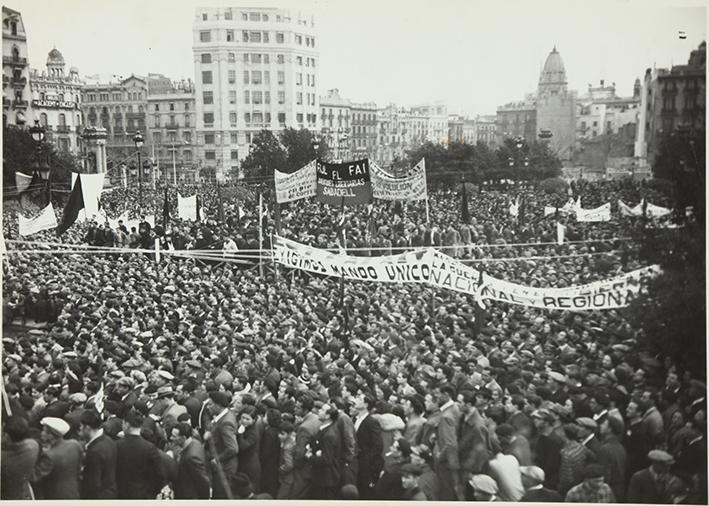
<point>473,55</point>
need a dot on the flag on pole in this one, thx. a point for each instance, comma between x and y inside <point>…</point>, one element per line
<point>166,212</point>
<point>99,399</point>
<point>464,211</point>
<point>199,213</point>
<point>560,232</point>
<point>220,204</point>
<point>241,213</point>
<point>72,208</point>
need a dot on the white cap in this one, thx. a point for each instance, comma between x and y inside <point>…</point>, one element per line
<point>56,425</point>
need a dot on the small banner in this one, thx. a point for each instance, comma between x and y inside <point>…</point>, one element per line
<point>408,188</point>
<point>560,232</point>
<point>44,221</point>
<point>654,211</point>
<point>548,210</point>
<point>348,182</point>
<point>626,210</point>
<point>22,181</point>
<point>602,213</point>
<point>300,184</point>
<point>187,207</point>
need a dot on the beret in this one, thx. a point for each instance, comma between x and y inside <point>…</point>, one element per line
<point>56,425</point>
<point>221,398</point>
<point>587,422</point>
<point>78,398</point>
<point>483,483</point>
<point>534,473</point>
<point>660,456</point>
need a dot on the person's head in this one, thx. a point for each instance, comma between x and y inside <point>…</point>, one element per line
<point>349,493</point>
<point>672,380</point>
<point>409,476</point>
<point>532,476</point>
<point>133,420</point>
<point>285,430</point>
<point>364,402</point>
<point>447,393</point>
<point>218,401</point>
<point>90,424</point>
<point>660,461</point>
<point>542,419</point>
<point>413,405</point>
<point>484,487</point>
<point>304,404</point>
<point>586,427</point>
<point>180,434</point>
<point>611,426</point>
<point>430,403</point>
<point>247,416</point>
<point>593,472</point>
<point>632,410</point>
<point>51,394</point>
<point>16,427</point>
<point>505,434</point>
<point>53,429</point>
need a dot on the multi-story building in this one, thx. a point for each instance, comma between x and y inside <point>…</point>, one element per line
<point>556,107</point>
<point>335,114</point>
<point>56,102</point>
<point>602,112</point>
<point>16,108</point>
<point>517,119</point>
<point>171,125</point>
<point>436,121</point>
<point>455,128</point>
<point>118,105</point>
<point>673,101</point>
<point>255,68</point>
<point>363,137</point>
<point>485,130</point>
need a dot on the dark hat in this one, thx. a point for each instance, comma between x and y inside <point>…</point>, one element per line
<point>242,485</point>
<point>593,471</point>
<point>221,398</point>
<point>505,430</point>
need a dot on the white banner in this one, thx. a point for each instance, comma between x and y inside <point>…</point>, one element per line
<point>548,211</point>
<point>654,211</point>
<point>560,231</point>
<point>22,181</point>
<point>434,268</point>
<point>408,188</point>
<point>602,213</point>
<point>187,207</point>
<point>626,210</point>
<point>514,208</point>
<point>44,221</point>
<point>91,187</point>
<point>298,185</point>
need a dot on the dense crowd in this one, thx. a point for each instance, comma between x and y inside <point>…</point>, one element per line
<point>195,379</point>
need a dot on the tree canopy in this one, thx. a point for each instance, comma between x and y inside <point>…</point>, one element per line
<point>286,153</point>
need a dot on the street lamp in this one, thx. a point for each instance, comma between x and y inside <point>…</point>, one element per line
<point>138,139</point>
<point>174,166</point>
<point>37,131</point>
<point>38,134</point>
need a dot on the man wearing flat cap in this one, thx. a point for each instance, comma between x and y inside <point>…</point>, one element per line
<point>592,489</point>
<point>651,485</point>
<point>58,476</point>
<point>223,449</point>
<point>549,445</point>
<point>484,488</point>
<point>587,434</point>
<point>533,481</point>
<point>99,477</point>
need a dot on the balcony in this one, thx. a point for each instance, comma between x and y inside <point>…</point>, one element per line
<point>63,129</point>
<point>20,104</point>
<point>17,62</point>
<point>5,80</point>
<point>172,126</point>
<point>19,82</point>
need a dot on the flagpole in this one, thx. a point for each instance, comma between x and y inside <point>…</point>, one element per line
<point>260,234</point>
<point>273,258</point>
<point>428,218</point>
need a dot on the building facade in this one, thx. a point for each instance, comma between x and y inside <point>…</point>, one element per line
<point>602,112</point>
<point>172,127</point>
<point>436,129</point>
<point>363,137</point>
<point>16,97</point>
<point>556,107</point>
<point>335,124</point>
<point>486,130</point>
<point>255,68</point>
<point>56,102</point>
<point>455,128</point>
<point>516,119</point>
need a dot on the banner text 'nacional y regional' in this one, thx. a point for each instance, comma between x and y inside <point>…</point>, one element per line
<point>349,180</point>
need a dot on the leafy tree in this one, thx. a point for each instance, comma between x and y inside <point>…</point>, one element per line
<point>266,156</point>
<point>299,147</point>
<point>22,154</point>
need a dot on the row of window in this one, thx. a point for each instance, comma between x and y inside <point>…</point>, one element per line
<point>256,37</point>
<point>258,58</point>
<point>171,106</point>
<point>172,121</point>
<point>253,119</point>
<point>43,119</point>
<point>258,77</point>
<point>186,137</point>
<point>128,108</point>
<point>115,97</point>
<point>252,16</point>
<point>59,97</point>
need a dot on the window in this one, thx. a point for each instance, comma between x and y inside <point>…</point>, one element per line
<point>62,119</point>
<point>247,97</point>
<point>299,98</point>
<point>206,77</point>
<point>246,57</point>
<point>280,38</point>
<point>209,138</point>
<point>281,119</point>
<point>255,37</point>
<point>156,121</point>
<point>256,58</point>
<point>312,42</point>
<point>244,36</point>
<point>233,137</point>
<point>299,79</point>
<point>299,40</point>
<point>208,118</point>
<point>172,106</point>
<point>595,123</point>
<point>230,35</point>
<point>207,97</point>
<point>266,77</point>
<point>268,118</point>
<point>265,37</point>
<point>232,118</point>
<point>299,117</point>
<point>266,59</point>
<point>187,106</point>
<point>244,16</point>
<point>312,80</point>
<point>247,118</point>
<point>265,18</point>
<point>267,97</point>
<point>204,16</point>
<point>205,36</point>
<point>246,77</point>
<point>281,77</point>
<point>187,155</point>
<point>116,97</point>
<point>299,60</point>
<point>232,96</point>
<point>232,76</point>
<point>157,138</point>
<point>307,41</point>
<point>312,62</point>
<point>307,78</point>
<point>281,97</point>
<point>232,57</point>
<point>258,98</point>
<point>210,155</point>
<point>280,59</point>
<point>227,15</point>
<point>234,155</point>
<point>254,16</point>
<point>258,118</point>
<point>256,77</point>
<point>206,57</point>
<point>172,119</point>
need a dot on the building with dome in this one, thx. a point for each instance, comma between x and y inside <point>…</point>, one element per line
<point>56,101</point>
<point>16,108</point>
<point>556,107</point>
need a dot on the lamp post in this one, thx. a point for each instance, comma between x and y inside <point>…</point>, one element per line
<point>138,139</point>
<point>38,135</point>
<point>174,166</point>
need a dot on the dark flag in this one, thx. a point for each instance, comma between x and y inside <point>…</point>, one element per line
<point>199,213</point>
<point>72,208</point>
<point>166,212</point>
<point>464,212</point>
<point>220,204</point>
<point>520,213</point>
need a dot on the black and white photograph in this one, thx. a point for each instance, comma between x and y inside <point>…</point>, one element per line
<point>369,250</point>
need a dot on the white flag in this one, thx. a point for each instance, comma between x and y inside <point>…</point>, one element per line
<point>548,210</point>
<point>241,213</point>
<point>99,399</point>
<point>514,208</point>
<point>187,207</point>
<point>560,232</point>
<point>91,187</point>
<point>44,221</point>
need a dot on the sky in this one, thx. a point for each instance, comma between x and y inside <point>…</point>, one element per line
<point>473,55</point>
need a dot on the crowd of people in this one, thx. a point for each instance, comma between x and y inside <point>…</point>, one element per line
<point>194,379</point>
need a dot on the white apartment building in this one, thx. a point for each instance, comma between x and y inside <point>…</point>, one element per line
<point>255,68</point>
<point>16,94</point>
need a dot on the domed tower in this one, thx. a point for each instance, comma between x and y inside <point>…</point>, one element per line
<point>556,107</point>
<point>552,79</point>
<point>55,63</point>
